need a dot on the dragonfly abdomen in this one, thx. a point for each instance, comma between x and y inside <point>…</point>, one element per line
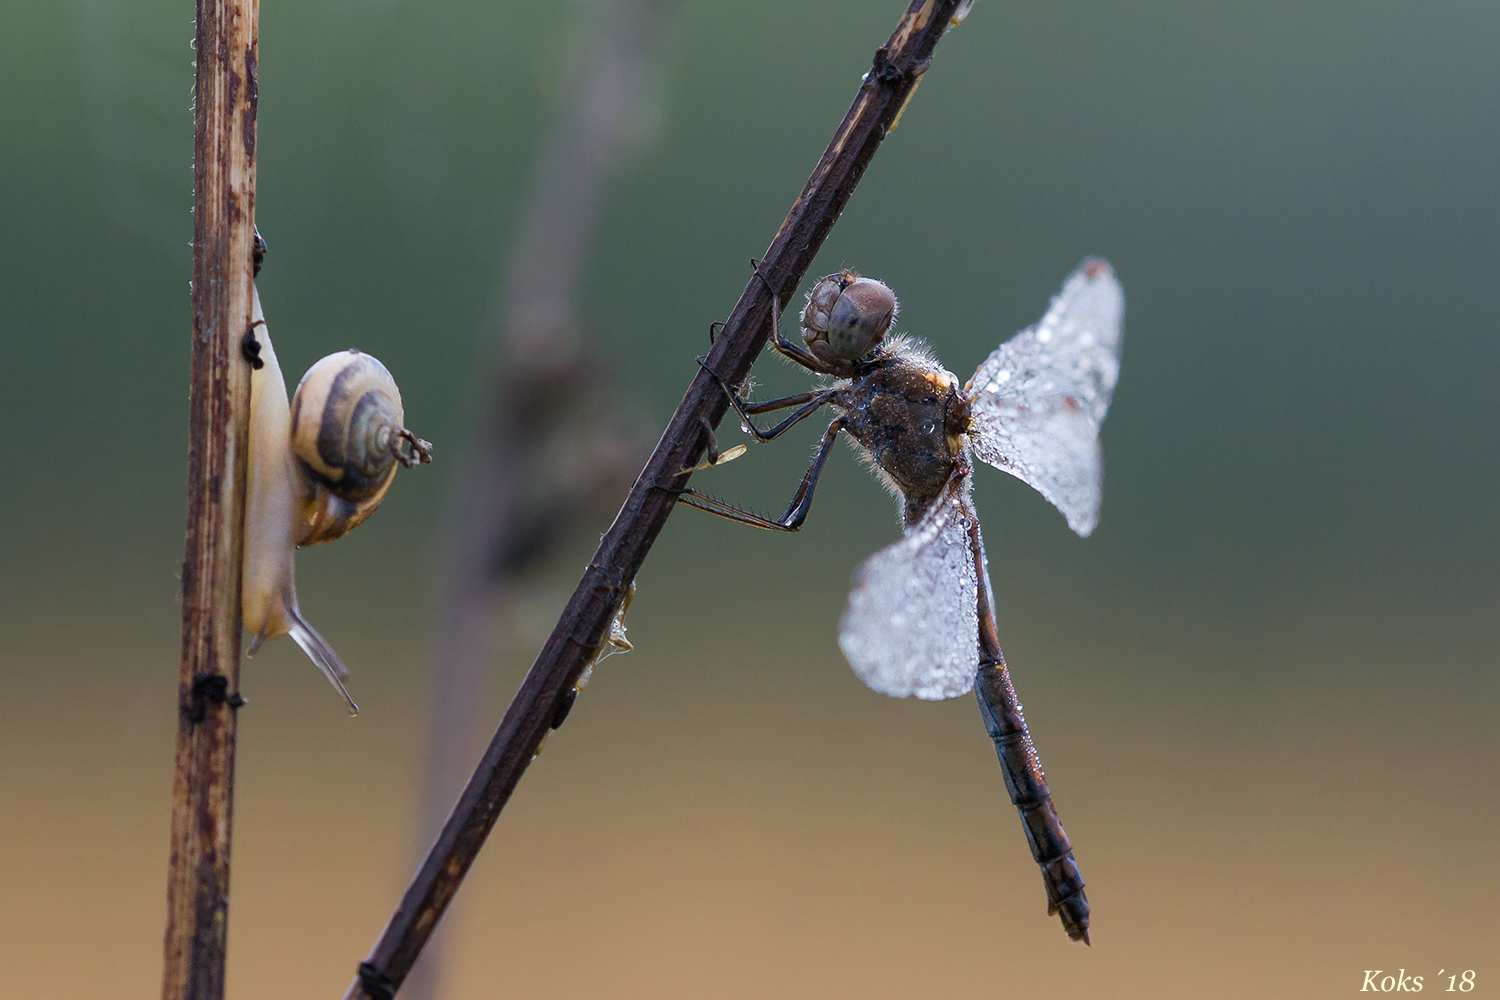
<point>1029,793</point>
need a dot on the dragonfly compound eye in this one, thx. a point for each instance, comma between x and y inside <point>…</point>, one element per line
<point>860,318</point>
<point>820,302</point>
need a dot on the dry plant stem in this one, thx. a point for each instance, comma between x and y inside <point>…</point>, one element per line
<point>219,420</point>
<point>583,624</point>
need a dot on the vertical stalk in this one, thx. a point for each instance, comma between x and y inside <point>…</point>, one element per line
<point>218,423</point>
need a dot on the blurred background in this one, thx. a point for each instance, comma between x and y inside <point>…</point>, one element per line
<point>1264,690</point>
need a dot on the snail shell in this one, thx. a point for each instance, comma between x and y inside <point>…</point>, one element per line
<point>349,411</point>
<point>348,437</point>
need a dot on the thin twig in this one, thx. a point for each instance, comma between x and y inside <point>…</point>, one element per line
<point>219,420</point>
<point>549,448</point>
<point>548,688</point>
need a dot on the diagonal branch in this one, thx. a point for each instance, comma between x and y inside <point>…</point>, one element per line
<point>218,436</point>
<point>546,692</point>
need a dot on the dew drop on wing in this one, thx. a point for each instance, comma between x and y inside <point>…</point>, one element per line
<point>911,625</point>
<point>1046,391</point>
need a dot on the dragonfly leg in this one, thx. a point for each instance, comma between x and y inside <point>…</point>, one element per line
<point>808,401</point>
<point>780,341</point>
<point>1024,780</point>
<point>710,440</point>
<point>796,512</point>
<point>786,347</point>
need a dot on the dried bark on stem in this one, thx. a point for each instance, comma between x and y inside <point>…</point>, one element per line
<point>546,692</point>
<point>219,420</point>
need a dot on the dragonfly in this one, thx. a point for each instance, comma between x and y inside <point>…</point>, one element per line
<point>920,618</point>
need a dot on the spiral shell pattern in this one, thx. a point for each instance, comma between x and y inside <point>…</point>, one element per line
<point>348,437</point>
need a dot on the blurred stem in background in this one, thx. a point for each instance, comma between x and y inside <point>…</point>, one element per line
<point>548,451</point>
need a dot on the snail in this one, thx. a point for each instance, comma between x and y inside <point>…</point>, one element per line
<point>318,467</point>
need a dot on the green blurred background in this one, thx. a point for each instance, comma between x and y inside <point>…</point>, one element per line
<point>1264,690</point>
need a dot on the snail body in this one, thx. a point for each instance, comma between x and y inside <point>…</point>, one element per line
<point>319,464</point>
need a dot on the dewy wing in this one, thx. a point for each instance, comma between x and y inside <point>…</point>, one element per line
<point>1038,400</point>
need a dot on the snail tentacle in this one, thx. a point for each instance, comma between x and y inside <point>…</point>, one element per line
<point>412,451</point>
<point>321,653</point>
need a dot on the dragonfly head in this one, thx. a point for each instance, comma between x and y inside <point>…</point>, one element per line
<point>847,316</point>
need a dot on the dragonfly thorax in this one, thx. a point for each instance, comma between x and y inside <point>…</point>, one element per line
<point>909,417</point>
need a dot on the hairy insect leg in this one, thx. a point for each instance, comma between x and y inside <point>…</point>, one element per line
<point>710,440</point>
<point>783,345</point>
<point>809,402</point>
<point>1024,780</point>
<point>796,512</point>
<point>786,347</point>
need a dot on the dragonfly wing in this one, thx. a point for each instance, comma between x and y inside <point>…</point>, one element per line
<point>911,626</point>
<point>1038,400</point>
